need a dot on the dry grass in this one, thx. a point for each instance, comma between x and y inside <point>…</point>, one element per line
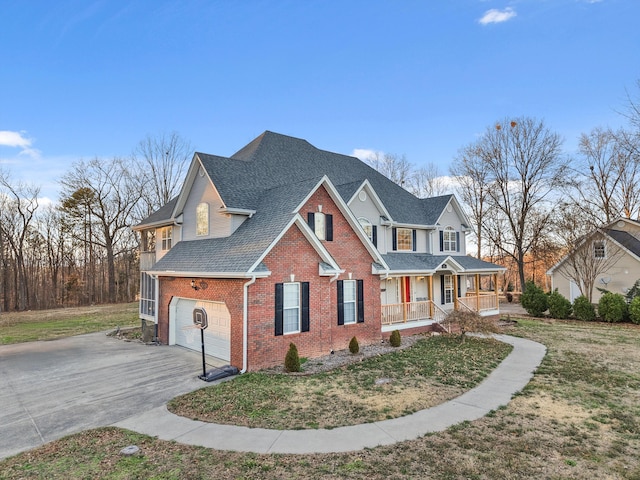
<point>579,418</point>
<point>33,325</point>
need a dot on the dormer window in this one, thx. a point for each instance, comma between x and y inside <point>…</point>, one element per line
<point>321,224</point>
<point>202,219</point>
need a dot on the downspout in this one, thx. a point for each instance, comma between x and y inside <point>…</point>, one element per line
<point>245,322</point>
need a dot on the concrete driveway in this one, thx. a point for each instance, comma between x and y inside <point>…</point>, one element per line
<point>56,388</point>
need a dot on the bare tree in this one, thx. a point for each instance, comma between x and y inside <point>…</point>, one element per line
<point>427,182</point>
<point>605,177</point>
<point>109,192</point>
<point>472,176</point>
<point>161,162</point>
<point>524,169</point>
<point>18,204</point>
<point>395,167</point>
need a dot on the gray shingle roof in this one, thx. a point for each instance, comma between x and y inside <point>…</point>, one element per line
<point>625,239</point>
<point>408,262</point>
<point>274,160</point>
<point>244,248</point>
<point>163,214</point>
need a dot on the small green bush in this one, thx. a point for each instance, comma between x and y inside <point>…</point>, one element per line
<point>292,360</point>
<point>394,339</point>
<point>634,310</point>
<point>559,307</point>
<point>612,307</point>
<point>534,300</point>
<point>354,346</point>
<point>583,309</point>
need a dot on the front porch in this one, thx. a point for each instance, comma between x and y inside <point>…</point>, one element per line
<point>414,304</point>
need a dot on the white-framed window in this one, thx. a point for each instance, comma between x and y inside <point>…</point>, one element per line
<point>599,250</point>
<point>166,236</point>
<point>202,219</point>
<point>367,227</point>
<point>349,299</point>
<point>404,239</point>
<point>448,288</point>
<point>291,308</point>
<point>449,243</point>
<point>320,225</point>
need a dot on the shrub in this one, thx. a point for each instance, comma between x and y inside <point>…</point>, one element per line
<point>583,309</point>
<point>354,346</point>
<point>394,339</point>
<point>292,360</point>
<point>559,307</point>
<point>612,307</point>
<point>471,322</point>
<point>634,310</point>
<point>534,300</point>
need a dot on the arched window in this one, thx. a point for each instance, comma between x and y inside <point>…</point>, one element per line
<point>367,227</point>
<point>202,219</point>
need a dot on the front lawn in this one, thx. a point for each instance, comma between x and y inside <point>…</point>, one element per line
<point>430,372</point>
<point>578,418</point>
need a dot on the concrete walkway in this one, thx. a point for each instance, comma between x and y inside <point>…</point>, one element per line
<point>511,376</point>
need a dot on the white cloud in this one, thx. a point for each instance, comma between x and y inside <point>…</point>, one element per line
<point>18,140</point>
<point>497,16</point>
<point>366,153</point>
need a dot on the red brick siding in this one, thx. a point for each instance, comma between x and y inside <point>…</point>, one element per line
<point>293,255</point>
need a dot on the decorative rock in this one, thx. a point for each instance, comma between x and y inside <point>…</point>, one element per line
<point>130,450</point>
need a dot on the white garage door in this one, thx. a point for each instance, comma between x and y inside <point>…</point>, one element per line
<point>217,336</point>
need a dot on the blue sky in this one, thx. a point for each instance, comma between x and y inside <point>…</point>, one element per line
<point>80,79</point>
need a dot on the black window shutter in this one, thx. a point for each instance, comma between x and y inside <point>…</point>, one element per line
<point>311,220</point>
<point>279,308</point>
<point>328,234</point>
<point>374,235</point>
<point>305,307</point>
<point>360,297</point>
<point>442,290</point>
<point>394,239</point>
<point>414,237</point>
<point>441,241</point>
<point>340,284</point>
<point>459,288</point>
<point>457,241</point>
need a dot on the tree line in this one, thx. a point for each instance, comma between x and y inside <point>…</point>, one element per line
<point>81,250</point>
<point>529,203</point>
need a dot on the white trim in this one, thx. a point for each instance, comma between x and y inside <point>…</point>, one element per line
<point>238,211</point>
<point>181,274</point>
<point>372,193</point>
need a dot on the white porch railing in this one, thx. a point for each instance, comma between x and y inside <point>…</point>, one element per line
<point>480,302</point>
<point>411,312</point>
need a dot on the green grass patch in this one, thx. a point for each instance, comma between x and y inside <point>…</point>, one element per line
<point>19,327</point>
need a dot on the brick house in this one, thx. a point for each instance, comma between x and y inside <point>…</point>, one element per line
<point>283,242</point>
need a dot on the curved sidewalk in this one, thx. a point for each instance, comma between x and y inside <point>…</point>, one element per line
<point>511,376</point>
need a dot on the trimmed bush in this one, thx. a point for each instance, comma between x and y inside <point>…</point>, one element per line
<point>612,307</point>
<point>583,309</point>
<point>634,310</point>
<point>394,339</point>
<point>559,307</point>
<point>534,300</point>
<point>354,346</point>
<point>292,360</point>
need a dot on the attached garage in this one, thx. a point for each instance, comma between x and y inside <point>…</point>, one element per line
<point>217,335</point>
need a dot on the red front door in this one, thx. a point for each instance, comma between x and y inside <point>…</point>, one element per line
<point>407,289</point>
